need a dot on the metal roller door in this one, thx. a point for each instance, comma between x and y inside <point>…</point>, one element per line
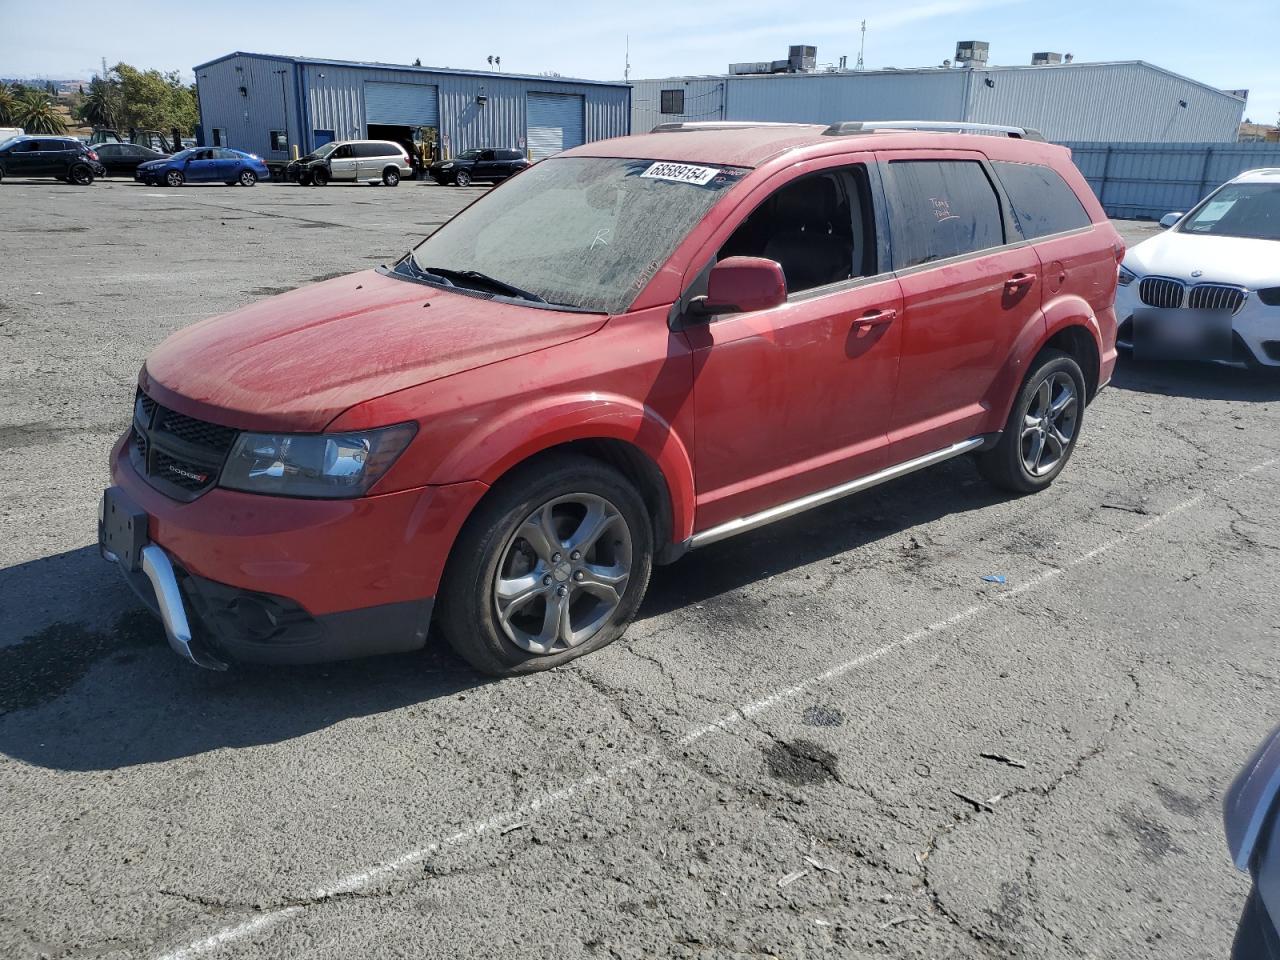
<point>401,104</point>
<point>555,123</point>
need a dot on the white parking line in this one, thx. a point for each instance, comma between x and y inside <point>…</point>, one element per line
<point>362,879</point>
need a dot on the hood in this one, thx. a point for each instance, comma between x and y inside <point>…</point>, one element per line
<point>1250,263</point>
<point>295,361</point>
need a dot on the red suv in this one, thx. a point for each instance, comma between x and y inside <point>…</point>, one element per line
<point>638,347</point>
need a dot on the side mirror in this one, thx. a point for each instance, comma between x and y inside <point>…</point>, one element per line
<point>743,285</point>
<point>1169,219</point>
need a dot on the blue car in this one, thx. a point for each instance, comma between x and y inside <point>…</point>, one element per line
<point>204,165</point>
<point>1250,812</point>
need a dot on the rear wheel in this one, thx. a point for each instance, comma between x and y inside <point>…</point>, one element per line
<point>462,178</point>
<point>391,176</point>
<point>319,176</point>
<point>248,178</point>
<point>81,175</point>
<point>174,178</point>
<point>1042,429</point>
<point>553,564</point>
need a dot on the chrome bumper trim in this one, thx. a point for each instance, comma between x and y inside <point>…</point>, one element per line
<point>793,507</point>
<point>173,613</point>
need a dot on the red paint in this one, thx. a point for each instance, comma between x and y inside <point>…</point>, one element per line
<point>751,410</point>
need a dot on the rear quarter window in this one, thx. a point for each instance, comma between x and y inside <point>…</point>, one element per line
<point>942,209</point>
<point>1041,200</point>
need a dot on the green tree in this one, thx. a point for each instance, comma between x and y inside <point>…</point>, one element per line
<point>101,104</point>
<point>151,100</point>
<point>35,113</point>
<point>8,100</point>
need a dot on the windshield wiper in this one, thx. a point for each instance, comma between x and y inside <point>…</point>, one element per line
<point>483,279</point>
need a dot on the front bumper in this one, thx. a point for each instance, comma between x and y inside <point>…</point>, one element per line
<point>282,580</point>
<point>1255,327</point>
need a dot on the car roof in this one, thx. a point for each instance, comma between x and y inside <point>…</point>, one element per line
<point>754,144</point>
<point>1260,175</point>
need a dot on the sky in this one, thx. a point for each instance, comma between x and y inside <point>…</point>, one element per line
<point>1228,44</point>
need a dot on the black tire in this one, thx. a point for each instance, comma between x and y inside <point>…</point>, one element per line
<point>391,177</point>
<point>462,178</point>
<point>467,610</point>
<point>81,175</point>
<point>1006,464</point>
<point>247,178</point>
<point>174,178</point>
<point>304,179</point>
<point>319,176</point>
<point>440,181</point>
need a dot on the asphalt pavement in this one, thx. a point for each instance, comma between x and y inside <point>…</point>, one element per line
<point>830,737</point>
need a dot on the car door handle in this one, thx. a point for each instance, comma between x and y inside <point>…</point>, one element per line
<point>1019,280</point>
<point>876,318</point>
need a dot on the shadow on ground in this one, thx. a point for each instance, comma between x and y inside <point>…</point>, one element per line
<point>92,684</point>
<point>1199,381</point>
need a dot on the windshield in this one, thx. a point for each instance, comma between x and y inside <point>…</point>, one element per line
<point>319,153</point>
<point>1250,210</point>
<point>586,232</point>
<point>182,155</point>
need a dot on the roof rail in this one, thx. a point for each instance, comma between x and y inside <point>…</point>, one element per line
<point>677,126</point>
<point>851,127</point>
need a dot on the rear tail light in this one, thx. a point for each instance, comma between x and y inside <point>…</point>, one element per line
<point>93,155</point>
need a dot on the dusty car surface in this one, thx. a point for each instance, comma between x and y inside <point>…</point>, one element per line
<point>636,348</point>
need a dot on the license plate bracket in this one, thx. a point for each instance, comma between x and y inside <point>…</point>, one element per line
<point>122,528</point>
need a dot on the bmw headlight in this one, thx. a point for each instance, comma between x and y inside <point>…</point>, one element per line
<point>331,465</point>
<point>1126,276</point>
<point>447,166</point>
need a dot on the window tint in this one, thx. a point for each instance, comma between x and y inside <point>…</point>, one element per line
<point>944,208</point>
<point>510,154</point>
<point>1041,199</point>
<point>486,154</point>
<point>344,152</point>
<point>109,150</point>
<point>819,228</point>
<point>672,101</point>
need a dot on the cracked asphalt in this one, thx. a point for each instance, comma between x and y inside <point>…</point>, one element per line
<point>830,737</point>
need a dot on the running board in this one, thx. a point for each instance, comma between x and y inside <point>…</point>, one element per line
<point>793,507</point>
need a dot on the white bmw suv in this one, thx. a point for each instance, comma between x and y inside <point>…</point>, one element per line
<point>1208,288</point>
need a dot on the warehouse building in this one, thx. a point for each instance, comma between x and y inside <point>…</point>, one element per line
<point>1127,100</point>
<point>270,105</point>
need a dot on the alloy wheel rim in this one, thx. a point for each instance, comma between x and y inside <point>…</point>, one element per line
<point>1049,424</point>
<point>246,178</point>
<point>174,179</point>
<point>562,573</point>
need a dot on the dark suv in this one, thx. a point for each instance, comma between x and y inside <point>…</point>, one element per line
<point>63,158</point>
<point>483,165</point>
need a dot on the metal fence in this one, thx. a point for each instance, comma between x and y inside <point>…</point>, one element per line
<point>1148,180</point>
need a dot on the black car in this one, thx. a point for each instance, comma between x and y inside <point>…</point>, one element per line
<point>482,165</point>
<point>62,158</point>
<point>123,158</point>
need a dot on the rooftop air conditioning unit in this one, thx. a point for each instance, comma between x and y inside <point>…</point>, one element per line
<point>1044,59</point>
<point>972,53</point>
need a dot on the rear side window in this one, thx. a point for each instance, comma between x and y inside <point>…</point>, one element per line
<point>1041,199</point>
<point>510,154</point>
<point>366,149</point>
<point>944,208</point>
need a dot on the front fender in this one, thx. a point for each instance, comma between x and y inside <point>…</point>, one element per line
<point>530,428</point>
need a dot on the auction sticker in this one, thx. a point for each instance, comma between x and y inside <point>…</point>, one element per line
<point>681,173</point>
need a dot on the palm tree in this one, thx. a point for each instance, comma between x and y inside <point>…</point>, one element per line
<point>7,103</point>
<point>100,105</point>
<point>35,113</point>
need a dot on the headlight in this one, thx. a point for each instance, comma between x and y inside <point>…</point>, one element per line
<point>330,465</point>
<point>447,166</point>
<point>1126,276</point>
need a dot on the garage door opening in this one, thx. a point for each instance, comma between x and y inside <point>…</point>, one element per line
<point>418,142</point>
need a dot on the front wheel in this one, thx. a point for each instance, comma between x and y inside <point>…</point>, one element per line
<point>248,178</point>
<point>462,178</point>
<point>1042,429</point>
<point>553,564</point>
<point>319,176</point>
<point>174,178</point>
<point>391,177</point>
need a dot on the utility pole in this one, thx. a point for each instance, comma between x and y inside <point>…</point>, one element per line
<point>862,46</point>
<point>626,68</point>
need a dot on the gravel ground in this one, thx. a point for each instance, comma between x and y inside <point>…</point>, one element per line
<point>795,751</point>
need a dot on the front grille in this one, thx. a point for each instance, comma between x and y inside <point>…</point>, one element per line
<point>1161,292</point>
<point>179,455</point>
<point>1216,296</point>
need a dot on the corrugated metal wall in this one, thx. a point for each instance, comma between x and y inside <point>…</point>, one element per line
<point>1152,179</point>
<point>249,118</point>
<point>1105,101</point>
